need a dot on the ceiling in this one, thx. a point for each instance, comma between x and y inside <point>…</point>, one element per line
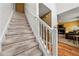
<point>63,7</point>
<point>68,11</point>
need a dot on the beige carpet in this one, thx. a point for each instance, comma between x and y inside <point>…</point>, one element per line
<point>20,40</point>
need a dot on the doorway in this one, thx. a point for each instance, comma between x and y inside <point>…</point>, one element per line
<point>20,7</point>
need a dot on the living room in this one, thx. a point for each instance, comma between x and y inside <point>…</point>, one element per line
<point>68,32</point>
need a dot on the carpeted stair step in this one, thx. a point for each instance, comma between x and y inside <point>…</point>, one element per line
<point>18,38</point>
<point>17,48</point>
<point>19,27</point>
<point>32,52</point>
<point>17,32</point>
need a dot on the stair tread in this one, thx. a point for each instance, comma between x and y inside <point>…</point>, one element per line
<point>22,29</point>
<point>25,48</point>
<point>19,24</point>
<point>19,28</point>
<point>17,32</point>
<point>18,47</point>
<point>15,20</point>
<point>17,39</point>
<point>12,45</point>
<point>32,52</point>
<point>18,16</point>
<point>16,27</point>
<point>20,35</point>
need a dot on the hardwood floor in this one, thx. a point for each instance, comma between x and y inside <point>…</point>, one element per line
<point>67,50</point>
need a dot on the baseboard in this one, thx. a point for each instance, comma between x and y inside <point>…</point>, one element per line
<point>2,38</point>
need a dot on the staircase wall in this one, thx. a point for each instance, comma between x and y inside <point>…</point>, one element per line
<point>31,13</point>
<point>6,11</point>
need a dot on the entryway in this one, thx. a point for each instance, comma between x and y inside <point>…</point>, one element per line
<point>19,7</point>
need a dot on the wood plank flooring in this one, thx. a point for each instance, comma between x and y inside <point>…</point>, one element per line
<point>67,50</point>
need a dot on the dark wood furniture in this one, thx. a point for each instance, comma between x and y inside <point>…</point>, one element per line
<point>69,35</point>
<point>61,29</point>
<point>77,39</point>
<point>73,36</point>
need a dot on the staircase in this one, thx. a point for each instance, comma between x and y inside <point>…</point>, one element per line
<point>20,40</point>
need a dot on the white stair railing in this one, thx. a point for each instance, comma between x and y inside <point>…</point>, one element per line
<point>43,33</point>
<point>46,35</point>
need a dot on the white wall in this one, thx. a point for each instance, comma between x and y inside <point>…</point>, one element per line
<point>62,7</point>
<point>43,9</point>
<point>31,8</point>
<point>6,10</point>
